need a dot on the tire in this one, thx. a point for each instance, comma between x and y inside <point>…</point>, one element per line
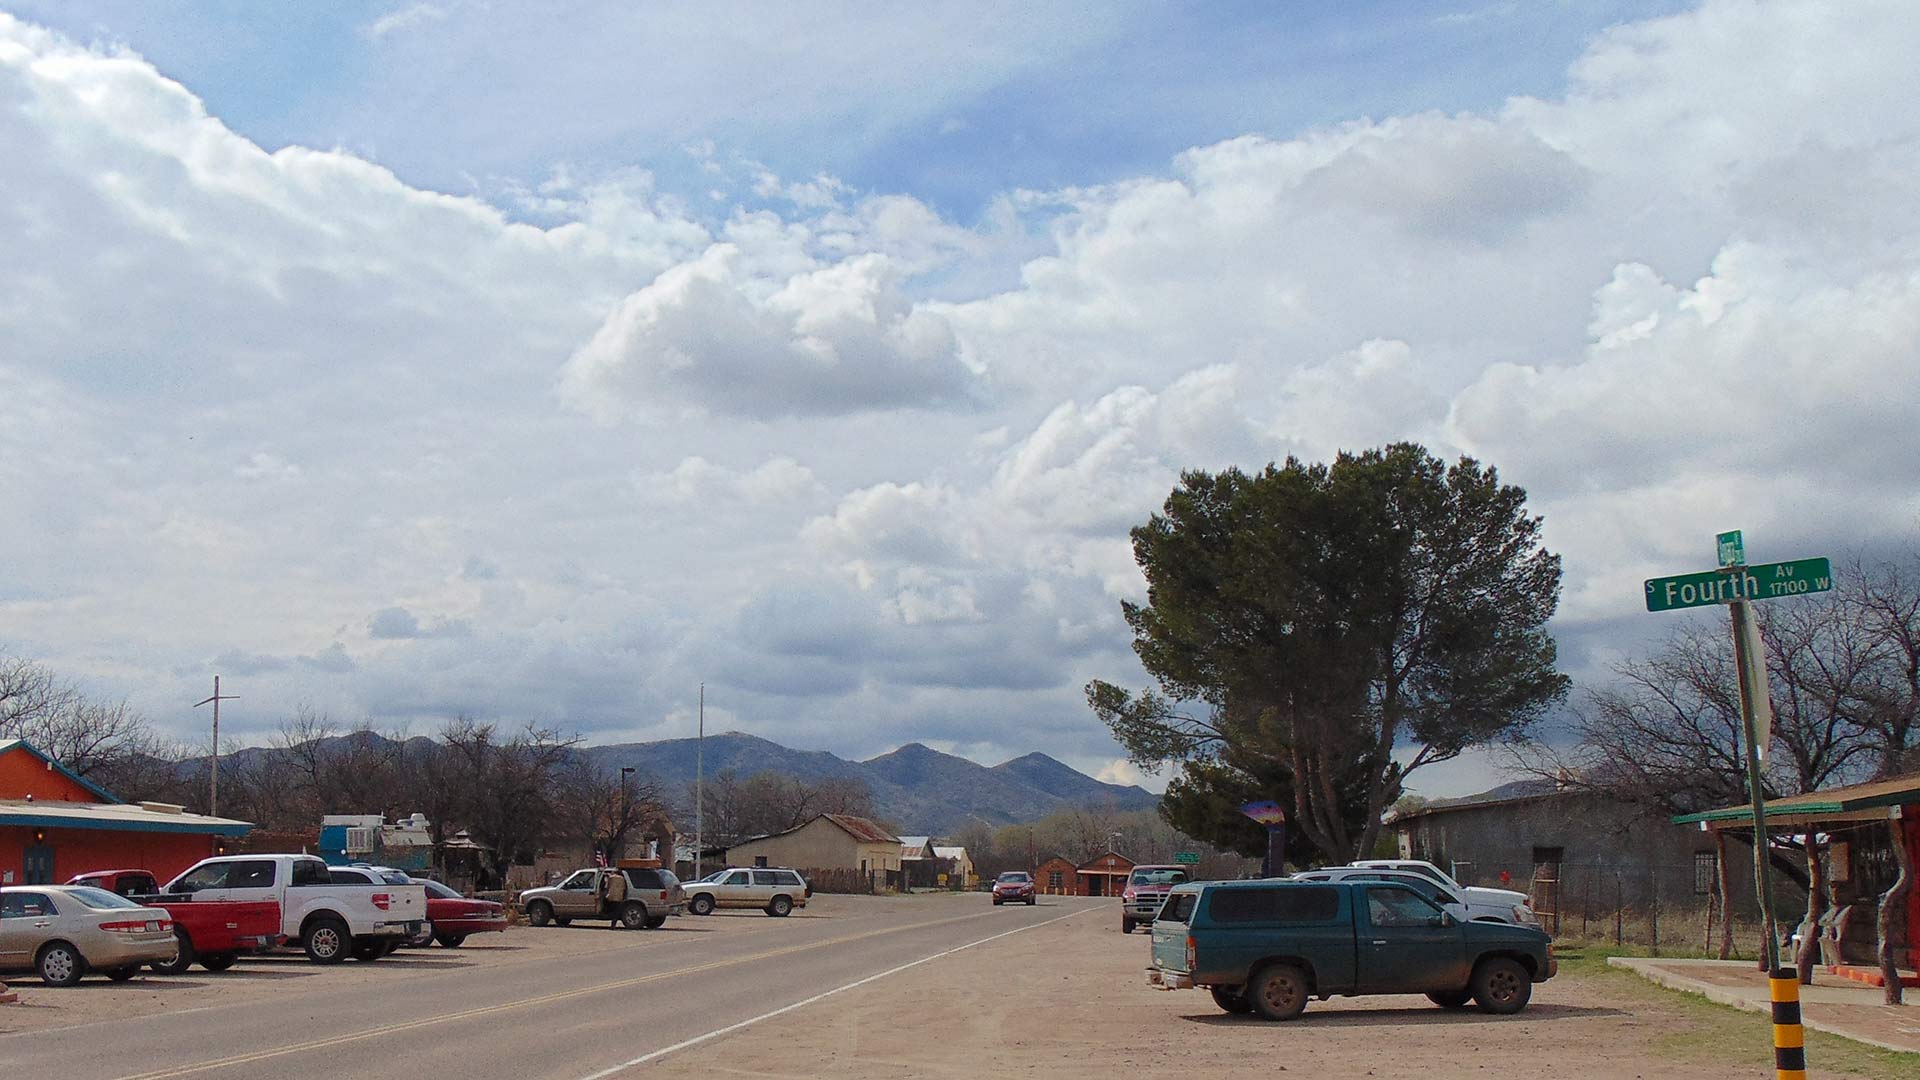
<point>996,901</point>
<point>327,941</point>
<point>183,957</point>
<point>701,905</point>
<point>1451,999</point>
<point>656,922</point>
<point>450,941</point>
<point>369,951</point>
<point>1501,986</point>
<point>1032,900</point>
<point>539,913</point>
<point>633,915</point>
<point>122,974</point>
<point>1126,925</point>
<point>60,964</point>
<point>1231,999</point>
<point>1279,991</point>
<point>781,907</point>
<point>218,961</point>
<point>562,920</point>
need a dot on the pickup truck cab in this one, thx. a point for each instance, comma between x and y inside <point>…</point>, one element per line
<point>210,933</point>
<point>1268,946</point>
<point>1147,888</point>
<point>1477,896</point>
<point>329,921</point>
<point>1466,906</point>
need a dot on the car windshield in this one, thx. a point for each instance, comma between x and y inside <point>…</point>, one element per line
<point>393,877</point>
<point>100,899</point>
<point>1015,878</point>
<point>1158,877</point>
<point>435,888</point>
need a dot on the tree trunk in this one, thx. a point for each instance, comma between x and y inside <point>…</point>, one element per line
<point>1722,883</point>
<point>1891,905</point>
<point>1809,956</point>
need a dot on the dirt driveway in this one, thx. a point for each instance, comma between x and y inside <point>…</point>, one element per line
<point>1068,1000</point>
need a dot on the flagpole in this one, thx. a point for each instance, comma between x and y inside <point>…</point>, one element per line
<point>699,790</point>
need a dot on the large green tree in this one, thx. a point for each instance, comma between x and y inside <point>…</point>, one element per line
<point>1319,631</point>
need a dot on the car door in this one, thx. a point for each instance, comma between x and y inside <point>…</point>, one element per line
<point>26,920</point>
<point>1407,945</point>
<point>579,895</point>
<point>204,882</point>
<point>251,879</point>
<point>1431,890</point>
<point>766,885</point>
<point>735,890</point>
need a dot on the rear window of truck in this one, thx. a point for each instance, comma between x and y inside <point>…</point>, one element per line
<point>1294,904</point>
<point>1179,908</point>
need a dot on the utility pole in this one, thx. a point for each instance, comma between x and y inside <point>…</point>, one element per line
<point>699,792</point>
<point>213,780</point>
<point>626,807</point>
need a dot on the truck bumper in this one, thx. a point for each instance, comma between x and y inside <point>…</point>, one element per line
<point>1161,979</point>
<point>1553,968</point>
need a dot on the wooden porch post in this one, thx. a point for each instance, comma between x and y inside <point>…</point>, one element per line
<point>1726,893</point>
<point>1893,905</point>
<point>1809,955</point>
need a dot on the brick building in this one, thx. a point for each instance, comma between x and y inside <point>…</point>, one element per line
<point>1057,877</point>
<point>1103,875</point>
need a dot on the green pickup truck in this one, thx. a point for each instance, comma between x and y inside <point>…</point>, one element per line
<point>1268,946</point>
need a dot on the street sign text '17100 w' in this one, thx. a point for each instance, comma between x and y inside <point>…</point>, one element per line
<point>1762,581</point>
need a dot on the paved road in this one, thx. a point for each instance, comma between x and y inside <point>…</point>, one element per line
<point>644,997</point>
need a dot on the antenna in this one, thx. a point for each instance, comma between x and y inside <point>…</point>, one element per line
<point>213,781</point>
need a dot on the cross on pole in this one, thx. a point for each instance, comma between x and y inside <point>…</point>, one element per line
<point>213,781</point>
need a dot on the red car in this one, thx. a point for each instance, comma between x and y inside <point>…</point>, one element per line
<point>1013,887</point>
<point>454,916</point>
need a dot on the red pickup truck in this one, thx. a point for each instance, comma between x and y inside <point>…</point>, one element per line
<point>211,933</point>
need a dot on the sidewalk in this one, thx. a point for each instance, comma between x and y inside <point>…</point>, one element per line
<point>1833,1004</point>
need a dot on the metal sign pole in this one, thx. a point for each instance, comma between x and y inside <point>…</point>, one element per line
<point>1746,665</point>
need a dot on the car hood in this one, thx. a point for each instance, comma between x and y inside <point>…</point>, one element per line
<point>1503,897</point>
<point>1495,933</point>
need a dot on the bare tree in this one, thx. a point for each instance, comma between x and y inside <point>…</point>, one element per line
<point>601,808</point>
<point>29,692</point>
<point>509,781</point>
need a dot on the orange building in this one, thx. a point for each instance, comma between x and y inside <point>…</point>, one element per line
<point>55,823</point>
<point>1105,875</point>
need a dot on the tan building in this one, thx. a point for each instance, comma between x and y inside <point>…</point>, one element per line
<point>829,849</point>
<point>961,875</point>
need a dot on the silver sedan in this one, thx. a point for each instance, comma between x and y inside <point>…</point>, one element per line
<point>65,931</point>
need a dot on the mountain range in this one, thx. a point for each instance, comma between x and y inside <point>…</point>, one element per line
<point>916,787</point>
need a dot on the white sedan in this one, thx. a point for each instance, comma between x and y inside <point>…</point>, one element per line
<point>65,931</point>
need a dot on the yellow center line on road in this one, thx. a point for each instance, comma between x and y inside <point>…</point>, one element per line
<point>546,999</point>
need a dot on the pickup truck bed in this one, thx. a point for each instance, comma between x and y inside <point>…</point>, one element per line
<point>213,932</point>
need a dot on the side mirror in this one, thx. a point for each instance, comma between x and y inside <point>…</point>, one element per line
<point>1444,919</point>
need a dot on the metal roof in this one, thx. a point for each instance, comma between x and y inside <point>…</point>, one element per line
<point>1894,791</point>
<point>861,829</point>
<point>118,816</point>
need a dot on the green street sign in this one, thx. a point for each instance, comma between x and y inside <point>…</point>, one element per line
<point>1763,581</point>
<point>1733,551</point>
<point>1188,857</point>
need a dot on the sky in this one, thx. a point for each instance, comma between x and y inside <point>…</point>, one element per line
<point>412,359</point>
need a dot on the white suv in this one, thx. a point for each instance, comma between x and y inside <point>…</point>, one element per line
<point>1488,905</point>
<point>773,889</point>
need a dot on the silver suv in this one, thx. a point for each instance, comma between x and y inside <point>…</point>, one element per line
<point>652,895</point>
<point>773,889</point>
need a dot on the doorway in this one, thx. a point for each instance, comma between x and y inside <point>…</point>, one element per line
<point>38,865</point>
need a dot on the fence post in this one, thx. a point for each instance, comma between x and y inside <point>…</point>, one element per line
<point>1619,912</point>
<point>1653,906</point>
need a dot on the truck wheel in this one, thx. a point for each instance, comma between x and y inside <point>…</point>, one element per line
<point>996,901</point>
<point>327,941</point>
<point>450,941</point>
<point>1451,999</point>
<point>1126,925</point>
<point>60,964</point>
<point>218,961</point>
<point>370,951</point>
<point>539,913</point>
<point>1232,998</point>
<point>656,922</point>
<point>1501,986</point>
<point>781,907</point>
<point>122,974</point>
<point>1032,900</point>
<point>633,915</point>
<point>183,956</point>
<point>701,905</point>
<point>1278,991</point>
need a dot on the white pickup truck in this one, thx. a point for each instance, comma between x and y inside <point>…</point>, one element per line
<point>330,920</point>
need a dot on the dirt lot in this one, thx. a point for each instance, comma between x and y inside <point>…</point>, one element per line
<point>1068,1000</point>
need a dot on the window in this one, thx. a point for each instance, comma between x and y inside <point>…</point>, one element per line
<point>1178,908</point>
<point>1549,856</point>
<point>1398,907</point>
<point>101,899</point>
<point>759,860</point>
<point>1157,877</point>
<point>788,877</point>
<point>350,876</point>
<point>667,880</point>
<point>1425,886</point>
<point>311,872</point>
<point>581,881</point>
<point>437,889</point>
<point>1281,904</point>
<point>1705,869</point>
<point>765,877</point>
<point>645,879</point>
<point>738,877</point>
<point>251,874</point>
<point>211,876</point>
<point>1056,880</point>
<point>25,905</point>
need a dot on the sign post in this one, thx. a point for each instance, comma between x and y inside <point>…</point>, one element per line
<point>1737,584</point>
<point>1275,819</point>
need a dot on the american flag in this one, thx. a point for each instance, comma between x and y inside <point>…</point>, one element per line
<point>600,859</point>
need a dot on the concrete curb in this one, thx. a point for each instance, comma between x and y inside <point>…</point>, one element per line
<point>1720,995</point>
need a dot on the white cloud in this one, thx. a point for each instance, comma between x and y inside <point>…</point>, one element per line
<point>405,18</point>
<point>695,479</point>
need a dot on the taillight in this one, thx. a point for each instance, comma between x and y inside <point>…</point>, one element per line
<point>1192,964</point>
<point>663,894</point>
<point>382,901</point>
<point>136,926</point>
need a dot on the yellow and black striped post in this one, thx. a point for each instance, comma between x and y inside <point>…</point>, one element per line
<point>1789,1038</point>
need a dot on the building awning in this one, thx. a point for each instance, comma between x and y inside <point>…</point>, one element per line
<point>1863,802</point>
<point>124,817</point>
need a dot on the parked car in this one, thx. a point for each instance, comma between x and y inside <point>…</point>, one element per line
<point>773,889</point>
<point>330,922</point>
<point>1478,896</point>
<point>210,933</point>
<point>1014,887</point>
<point>368,874</point>
<point>1267,946</point>
<point>65,931</point>
<point>1466,907</point>
<point>1147,887</point>
<point>454,917</point>
<point>652,895</point>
